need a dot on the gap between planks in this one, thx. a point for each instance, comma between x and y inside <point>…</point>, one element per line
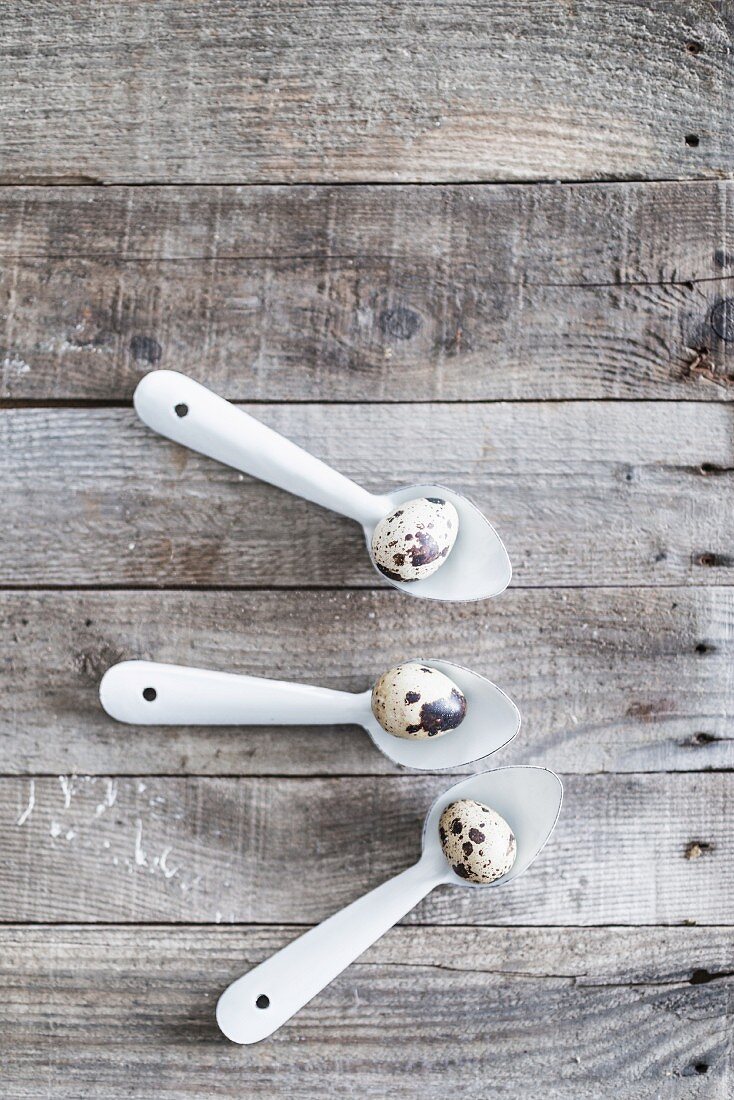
<point>337,777</point>
<point>325,588</point>
<point>700,978</point>
<point>72,403</point>
<point>83,182</point>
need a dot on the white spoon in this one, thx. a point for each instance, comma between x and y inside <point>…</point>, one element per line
<point>145,693</point>
<point>183,410</point>
<point>254,1006</point>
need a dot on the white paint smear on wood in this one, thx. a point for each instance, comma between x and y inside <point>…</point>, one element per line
<point>31,803</point>
<point>67,787</point>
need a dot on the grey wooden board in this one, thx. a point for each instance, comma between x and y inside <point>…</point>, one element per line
<point>583,493</point>
<point>376,296</point>
<point>224,92</point>
<point>606,679</point>
<point>628,849</point>
<point>370,293</point>
<point>551,1014</point>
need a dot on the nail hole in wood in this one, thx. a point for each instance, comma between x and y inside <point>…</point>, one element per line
<point>702,976</point>
<point>182,409</point>
<point>694,47</point>
<point>692,140</point>
<point>149,694</point>
<point>263,1001</point>
<point>696,849</point>
<point>702,738</point>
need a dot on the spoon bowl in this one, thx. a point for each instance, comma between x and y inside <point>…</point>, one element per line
<point>148,693</point>
<point>181,409</point>
<point>261,1001</point>
<point>528,798</point>
<point>477,567</point>
<point>492,720</point>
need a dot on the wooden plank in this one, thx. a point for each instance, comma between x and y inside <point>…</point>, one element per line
<point>214,92</point>
<point>593,493</point>
<point>370,293</point>
<point>632,849</point>
<point>606,679</point>
<point>111,1012</point>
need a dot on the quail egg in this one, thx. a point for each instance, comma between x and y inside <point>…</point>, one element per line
<point>478,844</point>
<point>415,701</point>
<point>414,540</point>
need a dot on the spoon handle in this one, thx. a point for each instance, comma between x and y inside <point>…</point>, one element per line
<point>183,410</point>
<point>259,1002</point>
<point>147,693</point>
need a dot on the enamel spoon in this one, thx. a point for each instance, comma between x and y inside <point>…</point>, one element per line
<point>148,693</point>
<point>257,1004</point>
<point>183,410</point>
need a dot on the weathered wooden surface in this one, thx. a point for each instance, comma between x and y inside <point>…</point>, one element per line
<point>584,493</point>
<point>616,640</point>
<point>225,92</point>
<point>539,1014</point>
<point>368,293</point>
<point>606,679</point>
<point>628,849</point>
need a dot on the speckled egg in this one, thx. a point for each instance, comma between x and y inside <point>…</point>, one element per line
<point>478,844</point>
<point>416,701</point>
<point>414,540</point>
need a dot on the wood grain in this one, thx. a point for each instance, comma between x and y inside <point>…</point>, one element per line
<point>628,850</point>
<point>112,1012</point>
<point>220,92</point>
<point>606,679</point>
<point>422,307</point>
<point>584,493</point>
<point>370,293</point>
